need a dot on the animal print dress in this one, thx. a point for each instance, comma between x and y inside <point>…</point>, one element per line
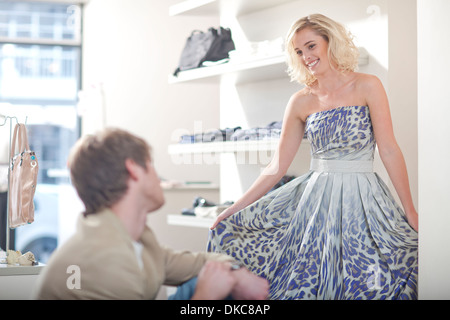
<point>334,233</point>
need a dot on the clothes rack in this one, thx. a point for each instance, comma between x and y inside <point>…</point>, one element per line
<point>10,118</point>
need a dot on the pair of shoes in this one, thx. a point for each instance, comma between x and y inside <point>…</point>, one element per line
<point>205,208</point>
<point>202,202</point>
<point>198,202</point>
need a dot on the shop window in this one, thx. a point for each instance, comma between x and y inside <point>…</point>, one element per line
<point>40,63</point>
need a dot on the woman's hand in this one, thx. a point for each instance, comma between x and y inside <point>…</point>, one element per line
<point>413,219</point>
<point>225,214</point>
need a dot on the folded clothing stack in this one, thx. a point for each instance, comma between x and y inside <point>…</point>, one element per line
<point>271,131</point>
<point>210,136</point>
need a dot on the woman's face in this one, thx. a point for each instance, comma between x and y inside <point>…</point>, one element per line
<point>312,49</point>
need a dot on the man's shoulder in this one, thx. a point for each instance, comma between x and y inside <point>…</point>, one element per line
<point>98,259</point>
<point>80,270</point>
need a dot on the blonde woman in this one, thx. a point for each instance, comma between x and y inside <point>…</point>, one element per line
<point>335,232</point>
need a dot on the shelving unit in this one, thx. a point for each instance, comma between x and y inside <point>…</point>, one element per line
<point>189,187</point>
<point>226,146</point>
<point>189,221</point>
<point>245,71</point>
<point>243,86</point>
<point>259,69</point>
<point>17,270</point>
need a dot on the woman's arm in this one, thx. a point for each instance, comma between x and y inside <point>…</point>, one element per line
<point>291,136</point>
<point>390,152</point>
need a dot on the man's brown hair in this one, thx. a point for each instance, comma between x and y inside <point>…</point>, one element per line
<point>97,166</point>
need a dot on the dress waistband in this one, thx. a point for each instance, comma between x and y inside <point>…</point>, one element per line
<point>321,165</point>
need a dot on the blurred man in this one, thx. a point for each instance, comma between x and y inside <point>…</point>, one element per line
<point>114,254</point>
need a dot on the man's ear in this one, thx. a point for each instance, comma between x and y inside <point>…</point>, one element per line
<point>132,168</point>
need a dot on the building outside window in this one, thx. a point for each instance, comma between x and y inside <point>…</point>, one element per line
<point>40,63</point>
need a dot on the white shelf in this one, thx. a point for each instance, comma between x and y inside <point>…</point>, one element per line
<point>215,7</point>
<point>189,221</point>
<point>226,146</point>
<point>14,270</point>
<point>258,69</point>
<point>192,187</point>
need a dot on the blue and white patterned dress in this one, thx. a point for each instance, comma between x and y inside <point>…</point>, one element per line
<point>335,232</point>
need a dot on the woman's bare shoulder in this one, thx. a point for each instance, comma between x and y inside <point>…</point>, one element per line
<point>301,102</point>
<point>369,86</point>
<point>366,80</point>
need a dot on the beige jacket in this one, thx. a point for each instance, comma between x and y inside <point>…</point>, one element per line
<point>99,262</point>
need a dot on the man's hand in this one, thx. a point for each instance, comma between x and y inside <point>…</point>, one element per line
<point>215,281</point>
<point>249,286</point>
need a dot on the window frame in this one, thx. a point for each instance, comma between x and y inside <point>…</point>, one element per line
<point>76,43</point>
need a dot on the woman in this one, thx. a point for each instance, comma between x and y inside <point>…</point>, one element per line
<point>335,232</point>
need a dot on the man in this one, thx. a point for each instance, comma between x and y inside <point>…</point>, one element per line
<point>114,254</point>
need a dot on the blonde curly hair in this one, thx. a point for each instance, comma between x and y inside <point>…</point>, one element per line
<point>342,52</point>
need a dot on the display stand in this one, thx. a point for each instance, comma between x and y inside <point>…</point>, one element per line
<point>19,279</point>
<point>5,122</point>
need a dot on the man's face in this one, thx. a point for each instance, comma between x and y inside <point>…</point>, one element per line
<point>152,188</point>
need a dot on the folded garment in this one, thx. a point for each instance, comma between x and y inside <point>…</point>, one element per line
<point>188,212</point>
<point>187,139</point>
<point>271,131</point>
<point>210,136</point>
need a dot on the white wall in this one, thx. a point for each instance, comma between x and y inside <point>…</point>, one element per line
<point>402,83</point>
<point>434,153</point>
<point>130,48</point>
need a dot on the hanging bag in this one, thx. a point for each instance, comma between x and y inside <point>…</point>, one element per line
<point>23,178</point>
<point>213,45</point>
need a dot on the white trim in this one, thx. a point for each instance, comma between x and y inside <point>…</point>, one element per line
<point>216,7</point>
<point>257,69</point>
<point>60,1</point>
<point>226,146</point>
<point>40,41</point>
<point>187,6</point>
<point>189,221</point>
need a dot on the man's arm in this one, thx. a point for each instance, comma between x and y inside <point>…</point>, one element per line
<point>180,266</point>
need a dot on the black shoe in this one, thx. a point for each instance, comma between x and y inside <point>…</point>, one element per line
<point>202,202</point>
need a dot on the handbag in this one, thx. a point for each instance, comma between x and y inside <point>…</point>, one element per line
<point>22,179</point>
<point>213,45</point>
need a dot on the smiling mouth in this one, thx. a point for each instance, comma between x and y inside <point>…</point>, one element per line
<point>312,64</point>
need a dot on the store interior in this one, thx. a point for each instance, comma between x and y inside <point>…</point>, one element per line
<point>129,51</point>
